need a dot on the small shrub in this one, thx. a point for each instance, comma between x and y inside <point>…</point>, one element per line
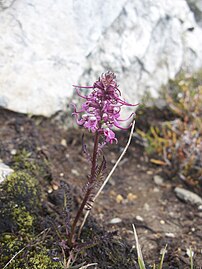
<point>178,143</point>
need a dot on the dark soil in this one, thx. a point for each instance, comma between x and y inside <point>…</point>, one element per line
<point>160,218</point>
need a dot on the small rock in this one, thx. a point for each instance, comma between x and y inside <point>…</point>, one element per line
<point>188,196</point>
<point>63,142</point>
<point>55,187</point>
<point>115,220</point>
<point>139,218</point>
<point>162,222</point>
<point>75,172</point>
<point>131,197</point>
<point>146,207</point>
<point>200,208</point>
<point>112,193</point>
<point>158,180</point>
<point>119,198</point>
<point>50,190</point>
<point>170,235</point>
<point>13,152</point>
<point>5,170</point>
<point>156,189</point>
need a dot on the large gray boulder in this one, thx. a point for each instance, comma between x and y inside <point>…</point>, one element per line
<point>46,46</point>
<point>196,7</point>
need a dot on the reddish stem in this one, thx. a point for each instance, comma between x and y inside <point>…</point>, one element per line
<point>86,197</point>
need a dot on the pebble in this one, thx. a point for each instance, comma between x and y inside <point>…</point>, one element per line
<point>112,193</point>
<point>188,196</point>
<point>55,187</point>
<point>63,142</point>
<point>75,172</point>
<point>115,220</point>
<point>158,180</point>
<point>200,208</point>
<point>131,197</point>
<point>156,189</point>
<point>170,235</point>
<point>13,152</point>
<point>139,218</point>
<point>119,198</point>
<point>146,207</point>
<point>5,170</point>
<point>162,222</point>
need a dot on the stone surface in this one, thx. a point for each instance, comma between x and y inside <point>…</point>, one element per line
<point>5,170</point>
<point>148,44</point>
<point>196,7</point>
<point>188,196</point>
<point>115,221</point>
<point>158,180</point>
<point>46,46</point>
<point>43,48</point>
<point>171,235</point>
<point>200,207</point>
<point>139,218</point>
<point>5,4</point>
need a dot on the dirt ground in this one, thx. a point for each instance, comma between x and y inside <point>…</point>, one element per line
<point>131,195</point>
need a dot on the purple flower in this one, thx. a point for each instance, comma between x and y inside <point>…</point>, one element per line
<point>101,110</point>
<point>110,135</point>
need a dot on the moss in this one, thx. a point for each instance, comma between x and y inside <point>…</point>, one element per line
<point>29,162</point>
<point>33,257</point>
<point>43,261</point>
<point>23,218</point>
<point>20,211</point>
<point>19,203</point>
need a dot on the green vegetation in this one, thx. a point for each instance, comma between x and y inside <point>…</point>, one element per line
<point>177,143</point>
<point>24,256</point>
<point>20,205</point>
<point>20,202</point>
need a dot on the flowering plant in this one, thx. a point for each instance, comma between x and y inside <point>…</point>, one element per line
<point>99,114</point>
<point>101,109</point>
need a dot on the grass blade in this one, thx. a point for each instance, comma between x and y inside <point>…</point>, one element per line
<point>163,252</point>
<point>139,252</point>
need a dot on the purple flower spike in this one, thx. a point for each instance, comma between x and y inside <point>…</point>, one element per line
<point>101,110</point>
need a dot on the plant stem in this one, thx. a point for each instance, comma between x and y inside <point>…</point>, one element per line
<point>86,197</point>
<point>110,174</point>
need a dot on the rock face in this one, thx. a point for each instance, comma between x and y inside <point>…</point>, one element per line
<point>46,46</point>
<point>6,3</point>
<point>196,7</point>
<point>4,171</point>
